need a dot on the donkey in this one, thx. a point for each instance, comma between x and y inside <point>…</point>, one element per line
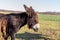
<point>17,20</point>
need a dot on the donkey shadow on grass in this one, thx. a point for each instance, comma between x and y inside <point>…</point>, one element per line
<point>31,36</point>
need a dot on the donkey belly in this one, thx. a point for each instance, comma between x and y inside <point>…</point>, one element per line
<point>12,30</point>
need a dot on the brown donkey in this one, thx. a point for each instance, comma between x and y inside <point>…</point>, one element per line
<point>14,21</point>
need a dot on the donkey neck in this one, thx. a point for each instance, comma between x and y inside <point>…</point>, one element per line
<point>24,17</point>
<point>16,21</point>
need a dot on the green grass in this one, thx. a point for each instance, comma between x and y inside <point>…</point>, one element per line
<point>47,17</point>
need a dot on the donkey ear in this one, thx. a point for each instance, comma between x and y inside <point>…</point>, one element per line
<point>26,8</point>
<point>31,8</point>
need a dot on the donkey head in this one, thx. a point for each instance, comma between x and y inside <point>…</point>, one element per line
<point>32,19</point>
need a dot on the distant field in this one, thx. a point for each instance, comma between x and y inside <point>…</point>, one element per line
<point>47,17</point>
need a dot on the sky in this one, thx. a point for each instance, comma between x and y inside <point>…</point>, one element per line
<point>38,5</point>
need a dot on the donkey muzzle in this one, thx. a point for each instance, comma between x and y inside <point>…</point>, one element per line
<point>36,27</point>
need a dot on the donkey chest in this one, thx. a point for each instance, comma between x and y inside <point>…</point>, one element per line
<point>14,25</point>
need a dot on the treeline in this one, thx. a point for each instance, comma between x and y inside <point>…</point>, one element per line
<point>52,13</point>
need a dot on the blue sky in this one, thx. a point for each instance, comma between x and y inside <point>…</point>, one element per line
<point>38,5</point>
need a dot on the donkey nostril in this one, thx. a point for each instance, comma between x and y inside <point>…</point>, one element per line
<point>36,28</point>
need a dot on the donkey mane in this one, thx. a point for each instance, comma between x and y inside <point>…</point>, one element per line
<point>17,14</point>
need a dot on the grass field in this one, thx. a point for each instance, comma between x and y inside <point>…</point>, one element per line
<point>47,17</point>
<point>49,28</point>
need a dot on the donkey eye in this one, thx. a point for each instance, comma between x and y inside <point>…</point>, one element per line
<point>35,20</point>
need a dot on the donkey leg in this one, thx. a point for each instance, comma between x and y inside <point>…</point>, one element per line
<point>13,36</point>
<point>4,31</point>
<point>4,25</point>
<point>6,37</point>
